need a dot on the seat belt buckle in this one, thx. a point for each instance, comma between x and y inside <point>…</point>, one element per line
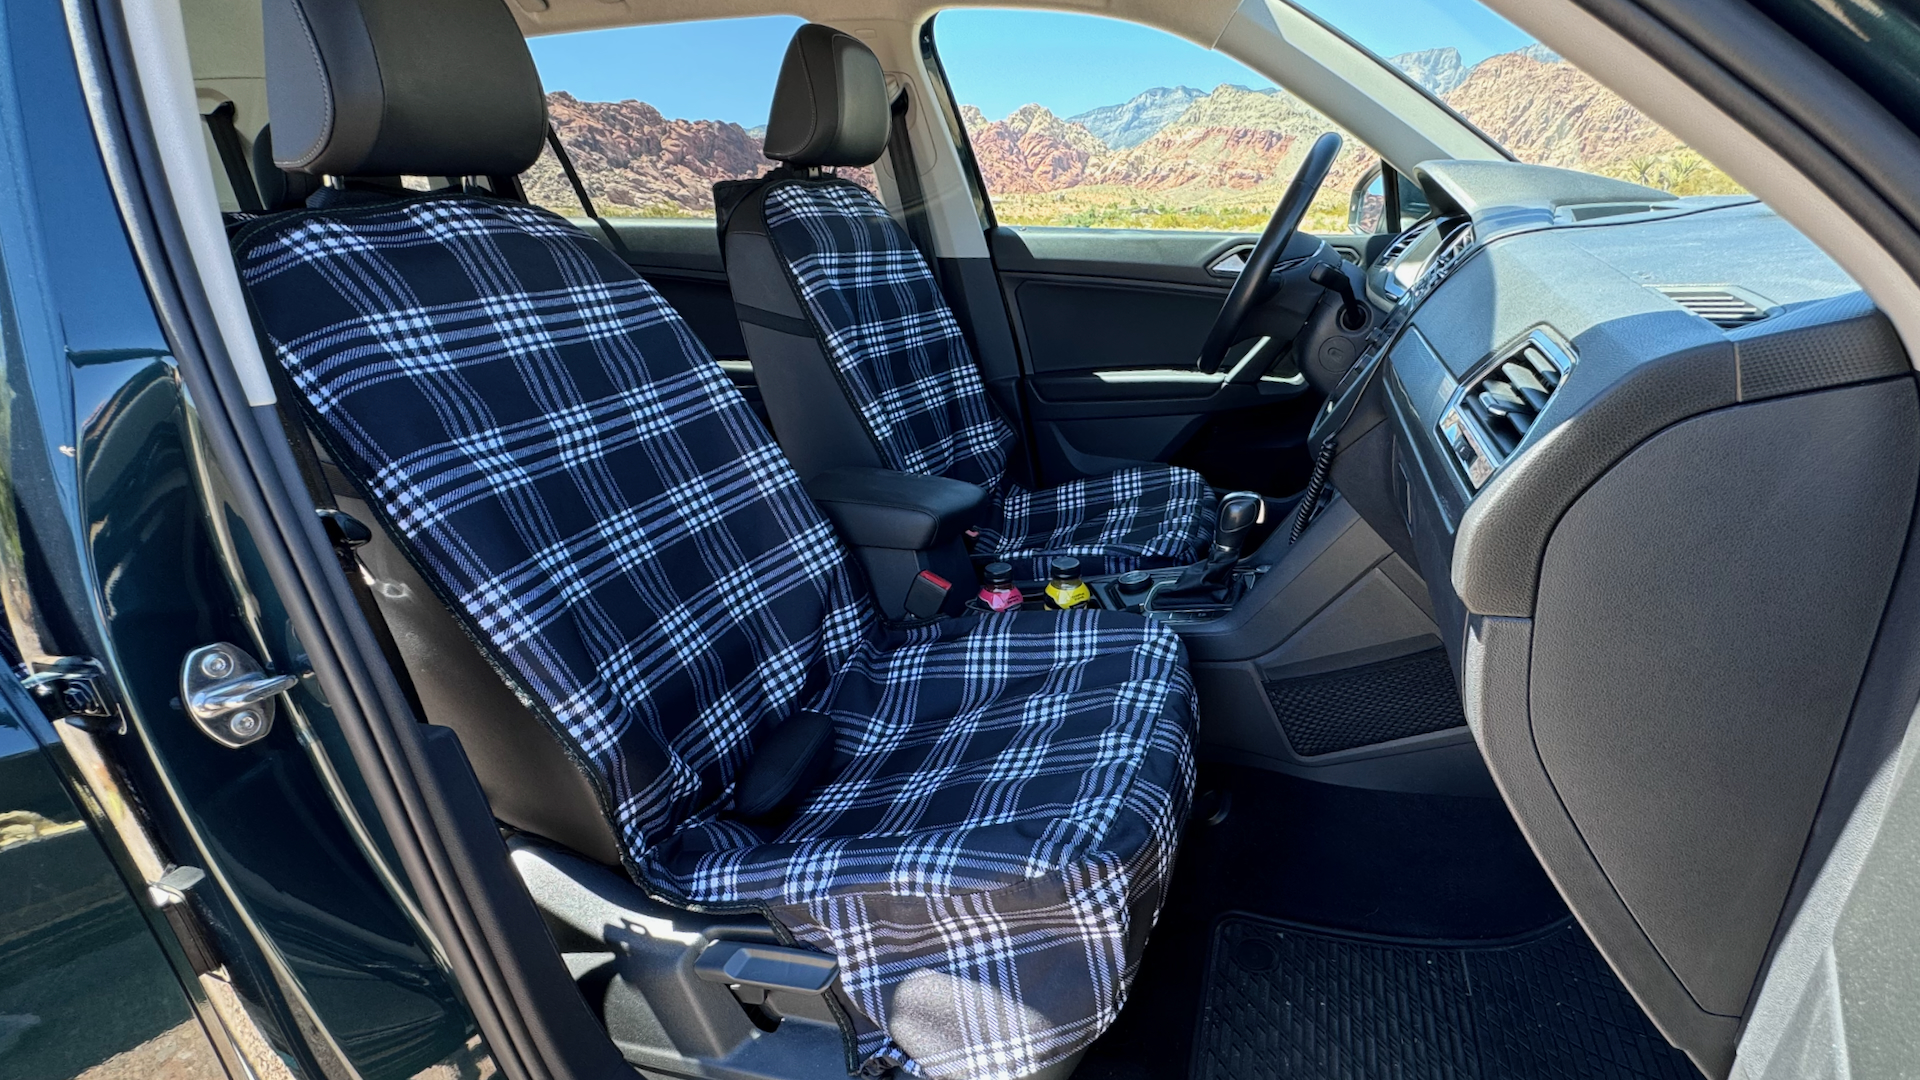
<point>927,595</point>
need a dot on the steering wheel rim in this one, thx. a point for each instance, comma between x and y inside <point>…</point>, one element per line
<point>1252,286</point>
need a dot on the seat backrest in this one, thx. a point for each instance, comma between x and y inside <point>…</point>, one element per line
<point>555,452</point>
<point>828,250</point>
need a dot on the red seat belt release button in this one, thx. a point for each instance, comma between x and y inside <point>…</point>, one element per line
<point>927,595</point>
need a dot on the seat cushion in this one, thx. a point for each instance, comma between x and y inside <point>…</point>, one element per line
<point>1129,519</point>
<point>994,843</point>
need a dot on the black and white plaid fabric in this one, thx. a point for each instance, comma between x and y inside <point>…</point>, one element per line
<point>1129,519</point>
<point>905,365</point>
<point>596,502</point>
<point>1010,786</point>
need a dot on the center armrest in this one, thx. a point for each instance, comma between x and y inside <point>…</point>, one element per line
<point>904,511</point>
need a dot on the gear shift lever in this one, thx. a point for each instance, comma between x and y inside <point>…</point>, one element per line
<point>1207,582</point>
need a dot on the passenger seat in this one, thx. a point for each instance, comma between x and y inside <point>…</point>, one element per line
<point>860,361</point>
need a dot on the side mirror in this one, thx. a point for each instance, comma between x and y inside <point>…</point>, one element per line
<point>1367,209</point>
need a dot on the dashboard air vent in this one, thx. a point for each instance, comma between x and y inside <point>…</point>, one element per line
<point>1719,306</point>
<point>1495,411</point>
<point>1402,242</point>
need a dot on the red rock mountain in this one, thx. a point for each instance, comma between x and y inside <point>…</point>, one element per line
<point>1232,140</point>
<point>1554,114</point>
<point>1031,150</point>
<point>634,161</point>
<point>1544,109</point>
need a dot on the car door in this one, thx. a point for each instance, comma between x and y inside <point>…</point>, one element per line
<point>83,978</point>
<point>1125,196</point>
<point>249,852</point>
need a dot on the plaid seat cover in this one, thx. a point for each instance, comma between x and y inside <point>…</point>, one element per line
<point>1129,519</point>
<point>595,501</point>
<point>905,366</point>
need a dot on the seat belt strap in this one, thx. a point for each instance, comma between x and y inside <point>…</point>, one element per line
<point>233,158</point>
<point>345,532</point>
<point>906,179</point>
<point>580,191</point>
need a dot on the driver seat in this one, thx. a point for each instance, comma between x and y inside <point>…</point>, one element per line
<point>861,362</point>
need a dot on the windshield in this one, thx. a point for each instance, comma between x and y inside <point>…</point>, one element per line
<point>1541,108</point>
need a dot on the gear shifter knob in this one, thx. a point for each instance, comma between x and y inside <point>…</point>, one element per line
<point>1211,580</point>
<point>1239,513</point>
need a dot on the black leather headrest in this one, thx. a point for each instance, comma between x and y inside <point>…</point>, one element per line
<point>412,87</point>
<point>830,106</point>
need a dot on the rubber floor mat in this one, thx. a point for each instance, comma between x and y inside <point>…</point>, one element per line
<point>1285,1003</point>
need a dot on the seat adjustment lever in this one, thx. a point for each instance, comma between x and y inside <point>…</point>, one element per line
<point>766,967</point>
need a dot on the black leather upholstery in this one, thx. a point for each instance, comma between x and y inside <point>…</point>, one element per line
<point>905,511</point>
<point>279,189</point>
<point>830,105</point>
<point>414,87</point>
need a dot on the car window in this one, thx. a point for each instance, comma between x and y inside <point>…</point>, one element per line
<point>653,116</point>
<point>1079,120</point>
<point>1544,110</point>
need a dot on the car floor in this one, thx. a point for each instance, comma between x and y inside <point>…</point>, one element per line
<point>1318,932</point>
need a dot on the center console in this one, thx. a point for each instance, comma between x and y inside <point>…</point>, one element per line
<point>1149,593</point>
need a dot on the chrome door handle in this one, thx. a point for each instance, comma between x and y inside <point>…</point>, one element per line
<point>227,693</point>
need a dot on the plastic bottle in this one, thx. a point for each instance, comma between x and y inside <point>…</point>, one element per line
<point>1064,588</point>
<point>997,591</point>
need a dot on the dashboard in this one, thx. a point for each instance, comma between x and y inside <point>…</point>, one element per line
<point>1655,459</point>
<point>1539,298</point>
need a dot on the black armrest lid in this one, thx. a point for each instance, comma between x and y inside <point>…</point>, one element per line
<point>883,508</point>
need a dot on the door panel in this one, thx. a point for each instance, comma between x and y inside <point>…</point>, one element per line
<point>83,978</point>
<point>1110,321</point>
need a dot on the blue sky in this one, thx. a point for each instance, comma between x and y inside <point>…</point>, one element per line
<point>718,70</point>
<point>998,60</point>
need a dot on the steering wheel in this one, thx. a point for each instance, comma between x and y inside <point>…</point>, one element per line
<point>1254,286</point>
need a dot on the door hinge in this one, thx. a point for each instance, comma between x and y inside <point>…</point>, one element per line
<point>76,690</point>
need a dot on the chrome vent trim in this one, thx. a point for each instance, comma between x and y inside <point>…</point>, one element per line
<point>1492,413</point>
<point>1452,250</point>
<point>1402,242</point>
<point>1719,305</point>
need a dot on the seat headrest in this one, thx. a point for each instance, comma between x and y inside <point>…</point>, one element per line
<point>411,87</point>
<point>830,105</point>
